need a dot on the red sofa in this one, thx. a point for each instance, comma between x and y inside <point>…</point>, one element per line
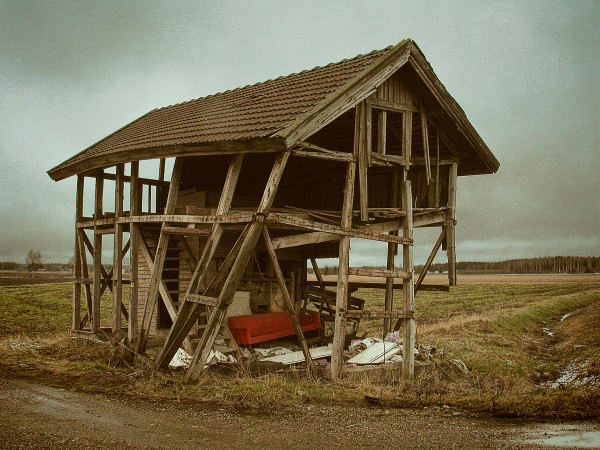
<point>255,328</point>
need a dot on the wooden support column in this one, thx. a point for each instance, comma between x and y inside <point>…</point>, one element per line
<point>289,304</point>
<point>159,260</point>
<point>98,212</point>
<point>451,223</point>
<point>361,151</point>
<point>341,297</point>
<point>117,277</point>
<point>135,204</point>
<point>408,357</point>
<point>425,134</point>
<point>392,250</point>
<point>188,312</point>
<point>237,270</point>
<point>76,313</point>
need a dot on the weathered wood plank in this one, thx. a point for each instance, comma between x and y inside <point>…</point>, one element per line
<point>342,292</point>
<point>97,255</point>
<point>425,134</point>
<point>430,259</point>
<point>76,313</point>
<point>365,314</point>
<point>134,238</point>
<point>451,219</point>
<point>380,273</point>
<point>408,362</point>
<point>118,252</point>
<point>318,226</point>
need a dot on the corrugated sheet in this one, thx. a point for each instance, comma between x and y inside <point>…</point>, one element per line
<point>250,112</point>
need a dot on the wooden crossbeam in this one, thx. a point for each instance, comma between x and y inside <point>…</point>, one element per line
<point>289,219</point>
<point>184,231</point>
<point>380,273</point>
<point>365,314</point>
<point>430,259</point>
<point>202,299</point>
<point>339,334</point>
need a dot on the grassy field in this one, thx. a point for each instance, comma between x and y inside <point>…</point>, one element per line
<point>497,329</point>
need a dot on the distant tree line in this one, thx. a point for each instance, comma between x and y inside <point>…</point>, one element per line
<point>547,264</point>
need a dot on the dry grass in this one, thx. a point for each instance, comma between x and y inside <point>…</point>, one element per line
<point>495,329</point>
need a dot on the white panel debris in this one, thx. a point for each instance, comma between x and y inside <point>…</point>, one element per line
<point>377,353</point>
<point>297,357</point>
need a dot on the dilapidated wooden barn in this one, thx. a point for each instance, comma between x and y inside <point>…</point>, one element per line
<point>267,178</point>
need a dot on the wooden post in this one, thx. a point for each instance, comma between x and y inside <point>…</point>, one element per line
<point>408,357</point>
<point>425,134</point>
<point>237,270</point>
<point>451,223</point>
<point>391,253</point>
<point>76,316</point>
<point>341,297</point>
<point>117,277</point>
<point>159,260</point>
<point>362,156</point>
<point>134,237</point>
<point>95,318</point>
<point>382,132</point>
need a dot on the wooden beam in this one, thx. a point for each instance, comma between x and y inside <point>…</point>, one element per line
<point>407,136</point>
<point>289,304</point>
<point>387,315</point>
<point>425,134</point>
<point>362,157</point>
<point>314,151</point>
<point>379,273</point>
<point>392,250</point>
<point>430,259</point>
<point>389,105</point>
<point>381,132</point>
<point>118,252</point>
<point>408,361</point>
<point>288,219</point>
<point>76,312</point>
<point>85,272</point>
<point>341,298</point>
<point>134,238</point>
<point>451,219</point>
<point>159,260</point>
<point>97,255</point>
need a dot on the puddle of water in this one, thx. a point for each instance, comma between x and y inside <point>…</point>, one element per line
<point>580,436</point>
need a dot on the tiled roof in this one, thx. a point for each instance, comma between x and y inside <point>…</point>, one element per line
<point>255,111</point>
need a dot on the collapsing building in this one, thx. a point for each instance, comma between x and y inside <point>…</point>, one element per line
<point>265,179</point>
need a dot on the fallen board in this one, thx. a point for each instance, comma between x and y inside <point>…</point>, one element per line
<point>297,357</point>
<point>377,353</point>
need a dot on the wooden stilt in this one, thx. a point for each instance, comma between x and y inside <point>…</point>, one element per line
<point>135,206</point>
<point>159,260</point>
<point>341,298</point>
<point>76,317</point>
<point>118,251</point>
<point>97,286</point>
<point>85,272</point>
<point>408,359</point>
<point>451,223</point>
<point>289,304</point>
<point>392,250</point>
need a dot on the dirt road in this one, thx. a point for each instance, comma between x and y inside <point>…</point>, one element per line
<point>38,416</point>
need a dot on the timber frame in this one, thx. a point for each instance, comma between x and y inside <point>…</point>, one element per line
<point>374,159</point>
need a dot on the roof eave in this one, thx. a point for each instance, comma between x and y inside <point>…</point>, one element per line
<point>256,145</point>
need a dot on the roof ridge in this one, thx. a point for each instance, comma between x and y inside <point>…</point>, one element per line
<point>273,79</point>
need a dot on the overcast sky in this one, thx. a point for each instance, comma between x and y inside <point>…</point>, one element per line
<point>525,73</point>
